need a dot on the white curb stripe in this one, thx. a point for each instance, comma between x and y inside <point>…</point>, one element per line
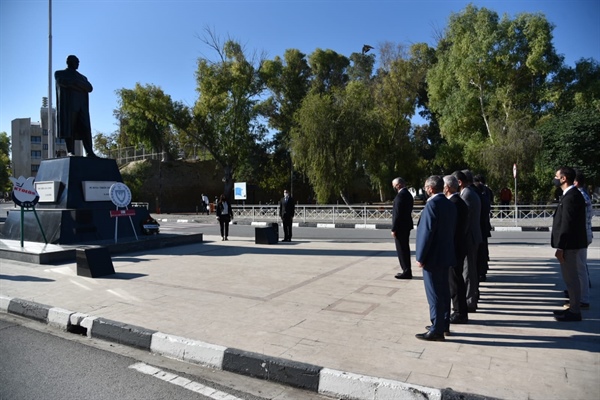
<point>365,226</point>
<point>325,225</point>
<point>508,228</point>
<point>187,350</point>
<point>59,317</point>
<point>4,302</point>
<point>182,220</point>
<point>183,382</point>
<point>362,387</point>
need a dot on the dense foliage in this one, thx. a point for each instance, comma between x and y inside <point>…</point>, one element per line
<point>493,92</point>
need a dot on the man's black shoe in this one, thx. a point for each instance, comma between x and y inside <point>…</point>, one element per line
<point>446,332</point>
<point>459,319</point>
<point>568,316</point>
<point>403,275</point>
<point>432,337</point>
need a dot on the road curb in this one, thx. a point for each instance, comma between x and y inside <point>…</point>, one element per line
<point>340,384</point>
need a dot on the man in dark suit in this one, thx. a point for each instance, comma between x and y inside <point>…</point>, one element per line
<point>569,238</point>
<point>471,198</point>
<point>402,223</point>
<point>287,208</point>
<point>435,254</point>
<point>458,289</point>
<point>73,113</point>
<point>487,198</point>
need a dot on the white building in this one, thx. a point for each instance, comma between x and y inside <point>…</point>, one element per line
<point>29,143</point>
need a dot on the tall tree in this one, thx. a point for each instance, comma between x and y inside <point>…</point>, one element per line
<point>491,74</point>
<point>327,136</point>
<point>225,114</point>
<point>325,143</point>
<point>388,148</point>
<point>288,81</point>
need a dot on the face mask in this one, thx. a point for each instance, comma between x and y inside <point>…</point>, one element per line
<point>556,182</point>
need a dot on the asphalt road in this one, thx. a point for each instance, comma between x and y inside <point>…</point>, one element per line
<point>526,238</point>
<point>41,362</point>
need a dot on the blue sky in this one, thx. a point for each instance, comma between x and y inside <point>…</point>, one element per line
<point>121,42</point>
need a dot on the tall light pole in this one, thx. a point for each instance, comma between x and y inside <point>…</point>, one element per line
<point>50,111</point>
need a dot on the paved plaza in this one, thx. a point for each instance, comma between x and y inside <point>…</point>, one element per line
<point>337,305</point>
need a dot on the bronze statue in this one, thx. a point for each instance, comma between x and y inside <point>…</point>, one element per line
<point>73,114</point>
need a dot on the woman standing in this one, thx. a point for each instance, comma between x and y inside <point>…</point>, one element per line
<point>224,216</point>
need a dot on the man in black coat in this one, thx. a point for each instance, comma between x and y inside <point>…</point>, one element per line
<point>402,224</point>
<point>569,238</point>
<point>287,208</point>
<point>458,288</point>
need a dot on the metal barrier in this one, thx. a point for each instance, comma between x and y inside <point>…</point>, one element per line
<point>383,213</point>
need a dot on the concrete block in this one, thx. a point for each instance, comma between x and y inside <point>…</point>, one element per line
<point>266,235</point>
<point>125,334</point>
<point>94,262</point>
<point>29,309</point>
<point>293,373</point>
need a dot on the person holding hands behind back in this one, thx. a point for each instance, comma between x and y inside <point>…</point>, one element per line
<point>287,208</point>
<point>224,216</point>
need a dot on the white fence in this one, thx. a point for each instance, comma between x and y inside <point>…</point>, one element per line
<point>526,214</point>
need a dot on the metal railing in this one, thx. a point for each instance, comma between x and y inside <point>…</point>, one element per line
<point>368,214</point>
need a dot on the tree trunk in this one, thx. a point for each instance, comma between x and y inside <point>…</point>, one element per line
<point>228,182</point>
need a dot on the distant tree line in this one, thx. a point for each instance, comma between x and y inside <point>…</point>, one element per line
<point>493,92</point>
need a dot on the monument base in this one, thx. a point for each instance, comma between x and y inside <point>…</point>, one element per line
<point>71,217</point>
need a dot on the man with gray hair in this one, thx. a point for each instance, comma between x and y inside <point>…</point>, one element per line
<point>402,224</point>
<point>458,289</point>
<point>435,255</point>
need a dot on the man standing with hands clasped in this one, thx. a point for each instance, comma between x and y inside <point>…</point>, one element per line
<point>569,238</point>
<point>402,223</point>
<point>435,255</point>
<point>287,208</point>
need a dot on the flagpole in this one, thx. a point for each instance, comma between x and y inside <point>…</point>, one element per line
<point>50,110</point>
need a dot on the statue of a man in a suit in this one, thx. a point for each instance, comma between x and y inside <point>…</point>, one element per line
<point>73,114</point>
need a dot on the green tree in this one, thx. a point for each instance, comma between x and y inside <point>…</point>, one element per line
<point>490,81</point>
<point>325,143</point>
<point>577,87</point>
<point>105,144</point>
<point>329,126</point>
<point>225,116</point>
<point>288,81</point>
<point>572,138</point>
<point>389,150</point>
<point>146,117</point>
<point>5,168</point>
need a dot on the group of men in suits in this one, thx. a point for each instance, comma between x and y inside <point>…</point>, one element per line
<point>450,236</point>
<point>449,239</point>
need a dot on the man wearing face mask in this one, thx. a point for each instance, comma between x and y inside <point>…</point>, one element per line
<point>569,238</point>
<point>287,208</point>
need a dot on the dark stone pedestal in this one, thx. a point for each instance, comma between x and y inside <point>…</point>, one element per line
<point>94,262</point>
<point>266,235</point>
<point>70,219</point>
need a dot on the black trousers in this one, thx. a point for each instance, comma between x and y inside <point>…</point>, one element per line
<point>224,224</point>
<point>458,288</point>
<point>287,227</point>
<point>403,250</point>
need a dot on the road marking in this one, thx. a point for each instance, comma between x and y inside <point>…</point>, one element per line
<point>183,382</point>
